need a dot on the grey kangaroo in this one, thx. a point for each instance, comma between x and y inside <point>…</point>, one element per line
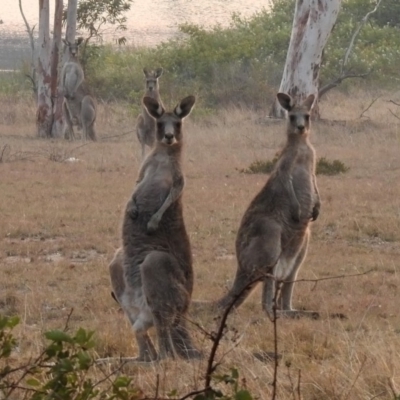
<point>72,73</point>
<point>273,236</point>
<point>79,107</point>
<point>145,124</point>
<point>152,274</point>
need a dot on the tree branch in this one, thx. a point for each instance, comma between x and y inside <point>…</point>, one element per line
<point>337,81</point>
<point>343,74</point>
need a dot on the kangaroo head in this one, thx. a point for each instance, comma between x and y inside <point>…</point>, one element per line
<point>151,78</point>
<point>73,47</point>
<point>299,114</point>
<point>169,123</point>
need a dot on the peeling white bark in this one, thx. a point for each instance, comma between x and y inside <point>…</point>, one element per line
<point>312,24</point>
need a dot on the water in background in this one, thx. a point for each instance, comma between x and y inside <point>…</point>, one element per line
<point>149,22</point>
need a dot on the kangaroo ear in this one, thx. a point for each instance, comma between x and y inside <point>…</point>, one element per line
<point>153,107</point>
<point>285,101</point>
<point>309,102</point>
<point>79,41</point>
<point>159,72</point>
<point>184,108</point>
<point>146,72</point>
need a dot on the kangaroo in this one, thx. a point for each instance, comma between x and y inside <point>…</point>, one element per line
<point>79,107</point>
<point>152,274</point>
<point>145,124</point>
<point>273,236</point>
<point>72,73</point>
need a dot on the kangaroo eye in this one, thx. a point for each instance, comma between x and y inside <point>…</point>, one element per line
<point>159,126</point>
<point>292,118</point>
<point>307,118</point>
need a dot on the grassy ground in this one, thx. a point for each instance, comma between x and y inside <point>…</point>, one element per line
<point>61,205</point>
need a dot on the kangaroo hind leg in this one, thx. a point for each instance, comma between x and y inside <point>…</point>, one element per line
<point>164,288</point>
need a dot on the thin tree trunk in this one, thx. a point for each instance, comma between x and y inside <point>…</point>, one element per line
<point>29,30</point>
<point>71,27</point>
<point>312,25</point>
<point>44,115</point>
<point>56,91</point>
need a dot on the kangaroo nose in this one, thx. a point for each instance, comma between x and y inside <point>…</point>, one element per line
<point>169,136</point>
<point>300,127</point>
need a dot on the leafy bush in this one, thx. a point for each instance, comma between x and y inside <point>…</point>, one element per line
<point>326,167</point>
<point>243,62</point>
<point>261,167</point>
<point>61,370</point>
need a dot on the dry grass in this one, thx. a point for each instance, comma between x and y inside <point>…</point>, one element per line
<point>61,225</point>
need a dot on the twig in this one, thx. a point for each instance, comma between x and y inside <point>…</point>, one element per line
<point>328,278</point>
<point>157,386</point>
<point>391,101</point>
<point>211,367</point>
<point>278,285</point>
<point>68,318</point>
<point>372,102</point>
<point>298,385</point>
<point>194,393</point>
<point>394,115</point>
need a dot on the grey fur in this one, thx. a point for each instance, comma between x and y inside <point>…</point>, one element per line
<point>72,73</point>
<point>79,107</point>
<point>274,231</point>
<point>145,124</point>
<point>152,274</point>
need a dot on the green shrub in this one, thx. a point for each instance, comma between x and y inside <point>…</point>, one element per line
<point>60,371</point>
<point>260,167</point>
<point>326,167</point>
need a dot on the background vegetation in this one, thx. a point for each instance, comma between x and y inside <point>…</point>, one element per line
<point>241,63</point>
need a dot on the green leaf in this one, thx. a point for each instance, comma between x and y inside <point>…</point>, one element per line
<point>234,373</point>
<point>33,382</point>
<point>243,395</point>
<point>58,336</point>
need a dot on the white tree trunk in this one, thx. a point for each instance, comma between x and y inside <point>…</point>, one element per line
<point>312,24</point>
<point>56,89</point>
<point>44,116</point>
<point>70,32</point>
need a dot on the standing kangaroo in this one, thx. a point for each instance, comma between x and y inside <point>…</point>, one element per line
<point>272,240</point>
<point>79,106</point>
<point>72,73</point>
<point>145,124</point>
<point>152,274</point>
